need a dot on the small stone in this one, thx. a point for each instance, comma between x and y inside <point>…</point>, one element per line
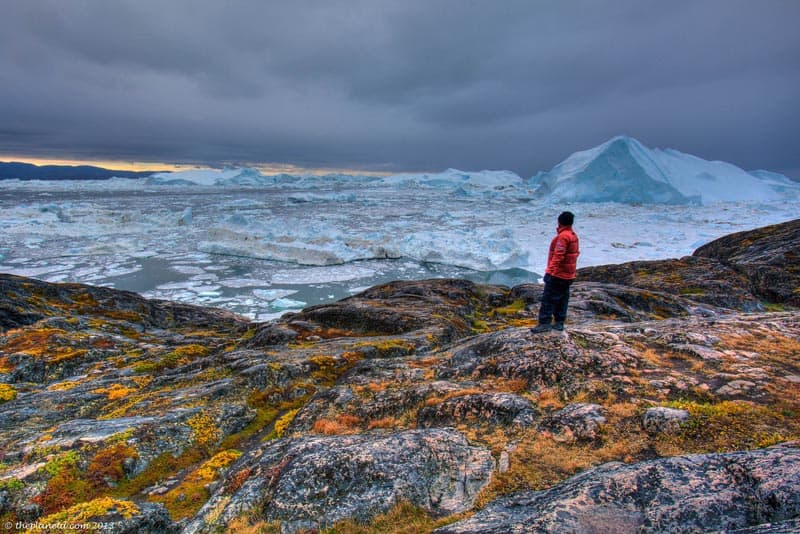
<point>736,387</point>
<point>661,419</point>
<point>159,490</point>
<point>504,462</point>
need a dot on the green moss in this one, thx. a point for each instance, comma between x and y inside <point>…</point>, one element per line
<point>512,309</point>
<point>120,437</point>
<point>145,368</point>
<point>191,494</point>
<point>262,421</point>
<point>182,355</point>
<point>480,327</point>
<point>692,291</point>
<point>729,426</point>
<point>11,485</point>
<point>388,347</point>
<point>172,359</point>
<point>582,342</point>
<point>57,464</point>
<point>161,468</point>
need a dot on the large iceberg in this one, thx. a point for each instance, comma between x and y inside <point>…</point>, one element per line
<point>251,177</point>
<point>214,177</point>
<point>460,183</point>
<point>624,170</point>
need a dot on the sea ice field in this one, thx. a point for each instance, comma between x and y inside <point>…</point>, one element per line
<point>261,251</point>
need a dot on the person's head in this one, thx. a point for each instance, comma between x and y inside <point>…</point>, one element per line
<point>566,218</point>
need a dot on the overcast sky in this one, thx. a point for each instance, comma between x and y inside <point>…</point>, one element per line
<point>399,85</point>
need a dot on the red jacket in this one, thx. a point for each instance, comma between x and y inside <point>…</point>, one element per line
<point>562,261</point>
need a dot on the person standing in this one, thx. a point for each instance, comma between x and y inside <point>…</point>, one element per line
<point>562,262</point>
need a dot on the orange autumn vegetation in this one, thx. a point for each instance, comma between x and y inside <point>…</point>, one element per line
<point>341,424</point>
<point>384,422</point>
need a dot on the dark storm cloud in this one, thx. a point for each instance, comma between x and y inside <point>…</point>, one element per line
<point>399,85</point>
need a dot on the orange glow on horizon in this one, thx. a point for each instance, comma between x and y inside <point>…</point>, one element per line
<point>120,165</point>
<point>116,165</point>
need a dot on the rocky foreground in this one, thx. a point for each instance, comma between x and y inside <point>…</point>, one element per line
<point>670,403</point>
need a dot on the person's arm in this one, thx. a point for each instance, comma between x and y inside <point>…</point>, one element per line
<point>559,252</point>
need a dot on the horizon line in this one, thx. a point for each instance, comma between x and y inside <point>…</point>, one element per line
<point>145,166</point>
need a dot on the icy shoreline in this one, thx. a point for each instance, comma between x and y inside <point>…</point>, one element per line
<point>262,250</point>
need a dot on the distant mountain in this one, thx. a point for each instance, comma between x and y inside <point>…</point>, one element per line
<point>624,170</point>
<point>27,171</point>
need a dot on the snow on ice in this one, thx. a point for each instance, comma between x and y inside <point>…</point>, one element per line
<point>624,170</point>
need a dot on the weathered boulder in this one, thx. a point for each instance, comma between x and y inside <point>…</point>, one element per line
<point>263,372</point>
<point>513,353</point>
<point>768,257</point>
<point>272,334</point>
<point>493,408</point>
<point>578,421</point>
<point>314,481</point>
<point>603,300</point>
<point>530,294</point>
<point>698,279</point>
<point>695,493</point>
<point>26,298</point>
<point>386,403</point>
<point>76,431</point>
<point>400,307</point>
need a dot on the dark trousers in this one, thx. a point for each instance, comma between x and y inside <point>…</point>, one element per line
<point>554,299</point>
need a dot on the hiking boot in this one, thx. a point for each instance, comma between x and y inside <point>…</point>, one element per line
<point>558,326</point>
<point>544,327</point>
